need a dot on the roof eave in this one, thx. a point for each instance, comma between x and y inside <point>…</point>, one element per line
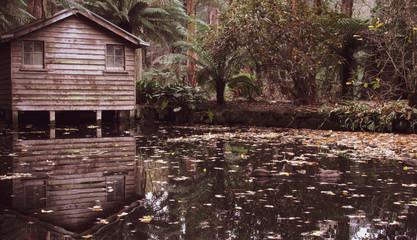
<point>21,31</point>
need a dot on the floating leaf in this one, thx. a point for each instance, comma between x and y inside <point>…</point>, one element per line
<point>328,193</point>
<point>47,211</point>
<point>146,219</point>
<point>122,214</point>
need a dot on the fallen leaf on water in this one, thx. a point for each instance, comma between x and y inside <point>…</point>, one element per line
<point>410,185</point>
<point>146,219</point>
<point>96,208</point>
<point>328,193</point>
<point>47,211</point>
<point>182,178</point>
<point>317,233</point>
<point>122,214</point>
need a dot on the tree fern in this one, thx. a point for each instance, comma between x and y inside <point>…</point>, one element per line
<point>12,14</point>
<point>350,26</point>
<point>157,21</point>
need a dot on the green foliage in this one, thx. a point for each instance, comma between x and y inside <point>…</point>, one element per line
<point>161,74</point>
<point>210,115</point>
<point>219,62</point>
<point>244,85</point>
<point>13,14</point>
<point>145,90</point>
<point>288,43</point>
<point>389,40</point>
<point>179,97</point>
<point>159,21</point>
<point>374,117</point>
<point>172,97</point>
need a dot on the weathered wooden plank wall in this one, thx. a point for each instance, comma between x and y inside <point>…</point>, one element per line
<point>75,173</point>
<point>75,76</point>
<point>5,86</point>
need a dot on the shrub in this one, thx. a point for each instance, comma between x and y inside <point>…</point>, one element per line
<point>179,97</point>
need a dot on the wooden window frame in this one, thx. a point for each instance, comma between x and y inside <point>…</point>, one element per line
<point>113,56</point>
<point>32,66</point>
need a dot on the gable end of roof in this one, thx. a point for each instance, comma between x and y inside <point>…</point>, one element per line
<point>93,17</point>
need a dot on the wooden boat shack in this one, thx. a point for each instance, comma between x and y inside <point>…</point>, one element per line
<point>71,61</point>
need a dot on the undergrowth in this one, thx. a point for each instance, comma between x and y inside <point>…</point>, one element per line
<point>373,117</point>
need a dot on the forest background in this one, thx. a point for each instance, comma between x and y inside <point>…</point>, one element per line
<point>305,52</point>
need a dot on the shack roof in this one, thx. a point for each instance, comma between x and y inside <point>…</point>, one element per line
<point>93,17</point>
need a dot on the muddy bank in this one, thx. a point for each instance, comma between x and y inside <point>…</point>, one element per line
<point>285,117</point>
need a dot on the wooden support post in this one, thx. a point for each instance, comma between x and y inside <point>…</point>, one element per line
<point>8,115</point>
<point>15,120</point>
<point>99,117</point>
<point>52,132</point>
<point>140,181</point>
<point>52,119</point>
<point>132,118</point>
<point>99,132</point>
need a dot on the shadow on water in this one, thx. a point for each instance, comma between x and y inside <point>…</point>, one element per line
<point>65,182</point>
<point>173,182</point>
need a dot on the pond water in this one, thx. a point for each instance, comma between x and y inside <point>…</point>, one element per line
<point>207,182</point>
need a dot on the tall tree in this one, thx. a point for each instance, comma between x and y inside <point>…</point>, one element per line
<point>43,8</point>
<point>37,8</point>
<point>391,38</point>
<point>289,41</point>
<point>347,7</point>
<point>219,63</point>
<point>191,27</point>
<point>346,53</point>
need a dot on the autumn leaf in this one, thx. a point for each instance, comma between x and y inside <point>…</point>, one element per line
<point>146,219</point>
<point>47,211</point>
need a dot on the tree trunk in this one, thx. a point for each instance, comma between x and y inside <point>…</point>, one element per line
<point>212,16</point>
<point>317,5</point>
<point>347,55</point>
<point>346,70</point>
<point>220,85</point>
<point>294,5</point>
<point>191,27</point>
<point>347,7</point>
<point>37,8</point>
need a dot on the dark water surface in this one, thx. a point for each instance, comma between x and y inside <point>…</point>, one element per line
<point>177,182</point>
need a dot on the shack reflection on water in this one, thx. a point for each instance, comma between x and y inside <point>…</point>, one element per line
<point>178,182</point>
<point>63,188</point>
